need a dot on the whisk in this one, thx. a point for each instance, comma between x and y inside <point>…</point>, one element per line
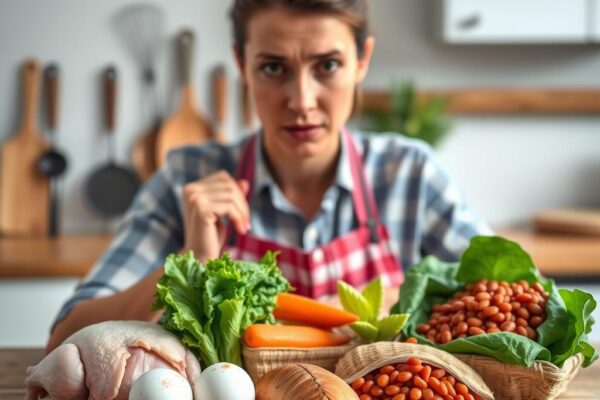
<point>141,28</point>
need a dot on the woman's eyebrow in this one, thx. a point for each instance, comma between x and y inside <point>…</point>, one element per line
<point>279,57</point>
<point>327,54</point>
<point>270,56</point>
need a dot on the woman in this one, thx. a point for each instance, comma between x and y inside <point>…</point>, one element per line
<point>336,205</point>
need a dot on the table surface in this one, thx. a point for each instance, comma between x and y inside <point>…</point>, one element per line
<point>13,363</point>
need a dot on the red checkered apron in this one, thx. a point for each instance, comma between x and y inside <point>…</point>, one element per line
<point>355,257</point>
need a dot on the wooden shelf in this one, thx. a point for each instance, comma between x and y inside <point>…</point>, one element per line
<point>503,101</point>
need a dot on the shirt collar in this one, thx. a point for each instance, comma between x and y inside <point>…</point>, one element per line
<point>263,177</point>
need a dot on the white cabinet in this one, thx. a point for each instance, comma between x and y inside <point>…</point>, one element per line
<point>29,307</point>
<point>518,21</point>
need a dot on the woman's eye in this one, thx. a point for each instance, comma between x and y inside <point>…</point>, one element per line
<point>273,69</point>
<point>329,66</point>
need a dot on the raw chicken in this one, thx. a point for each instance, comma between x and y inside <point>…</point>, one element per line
<point>101,362</point>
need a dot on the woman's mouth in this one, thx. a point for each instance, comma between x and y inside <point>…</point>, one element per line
<point>303,132</point>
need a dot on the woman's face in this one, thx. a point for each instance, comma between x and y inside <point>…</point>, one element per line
<point>301,70</point>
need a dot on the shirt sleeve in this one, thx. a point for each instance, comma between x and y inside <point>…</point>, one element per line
<point>150,230</point>
<point>449,222</point>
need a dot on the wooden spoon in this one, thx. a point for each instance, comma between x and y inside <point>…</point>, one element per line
<point>187,125</point>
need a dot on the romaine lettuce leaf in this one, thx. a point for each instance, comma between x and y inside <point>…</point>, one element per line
<point>210,306</point>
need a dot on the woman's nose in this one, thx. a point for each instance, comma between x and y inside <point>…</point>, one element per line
<point>302,94</point>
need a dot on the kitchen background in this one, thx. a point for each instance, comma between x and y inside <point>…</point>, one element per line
<point>510,166</point>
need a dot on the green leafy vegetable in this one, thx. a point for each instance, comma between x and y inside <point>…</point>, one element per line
<point>568,313</point>
<point>352,300</point>
<point>209,307</point>
<point>367,306</point>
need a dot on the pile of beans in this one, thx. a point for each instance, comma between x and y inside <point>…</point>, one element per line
<point>411,380</point>
<point>488,307</point>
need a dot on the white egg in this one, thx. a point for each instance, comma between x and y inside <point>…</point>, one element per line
<point>161,384</point>
<point>225,381</point>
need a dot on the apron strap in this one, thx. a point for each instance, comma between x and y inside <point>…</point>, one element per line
<point>244,170</point>
<point>364,202</point>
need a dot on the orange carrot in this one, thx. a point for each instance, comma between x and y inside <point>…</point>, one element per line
<point>261,335</point>
<point>295,308</point>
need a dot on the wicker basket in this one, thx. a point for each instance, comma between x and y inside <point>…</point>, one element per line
<point>364,359</point>
<point>542,381</point>
<point>259,361</point>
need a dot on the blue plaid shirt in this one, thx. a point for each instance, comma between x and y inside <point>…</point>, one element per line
<point>424,212</point>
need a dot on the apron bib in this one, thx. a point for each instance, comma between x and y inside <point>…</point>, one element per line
<point>355,257</point>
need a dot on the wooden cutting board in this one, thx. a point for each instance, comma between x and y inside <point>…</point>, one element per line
<point>24,191</point>
<point>187,125</point>
<point>576,221</point>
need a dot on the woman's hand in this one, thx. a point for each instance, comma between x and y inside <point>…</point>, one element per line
<point>205,203</point>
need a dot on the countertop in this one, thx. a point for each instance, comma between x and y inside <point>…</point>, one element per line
<point>556,255</point>
<point>13,363</point>
<point>63,256</point>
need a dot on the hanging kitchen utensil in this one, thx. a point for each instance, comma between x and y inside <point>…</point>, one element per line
<point>52,163</point>
<point>111,188</point>
<point>140,27</point>
<point>187,125</point>
<point>23,189</point>
<point>219,95</point>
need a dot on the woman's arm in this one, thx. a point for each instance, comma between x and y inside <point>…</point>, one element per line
<point>131,304</point>
<point>205,202</point>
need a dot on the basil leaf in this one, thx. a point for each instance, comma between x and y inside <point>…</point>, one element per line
<point>390,326</point>
<point>352,300</point>
<point>365,330</point>
<point>374,293</point>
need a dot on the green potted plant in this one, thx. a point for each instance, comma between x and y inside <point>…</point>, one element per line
<point>424,119</point>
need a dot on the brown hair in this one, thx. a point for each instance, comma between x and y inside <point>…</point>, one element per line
<point>353,12</point>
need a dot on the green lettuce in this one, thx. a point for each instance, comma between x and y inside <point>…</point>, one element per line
<point>209,307</point>
<point>562,335</point>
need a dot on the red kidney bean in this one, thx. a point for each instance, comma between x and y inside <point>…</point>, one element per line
<point>431,383</point>
<point>491,306</point>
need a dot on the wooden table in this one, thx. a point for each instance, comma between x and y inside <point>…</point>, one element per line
<point>13,363</point>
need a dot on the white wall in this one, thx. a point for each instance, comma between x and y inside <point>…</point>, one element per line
<point>509,166</point>
<point>80,36</point>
